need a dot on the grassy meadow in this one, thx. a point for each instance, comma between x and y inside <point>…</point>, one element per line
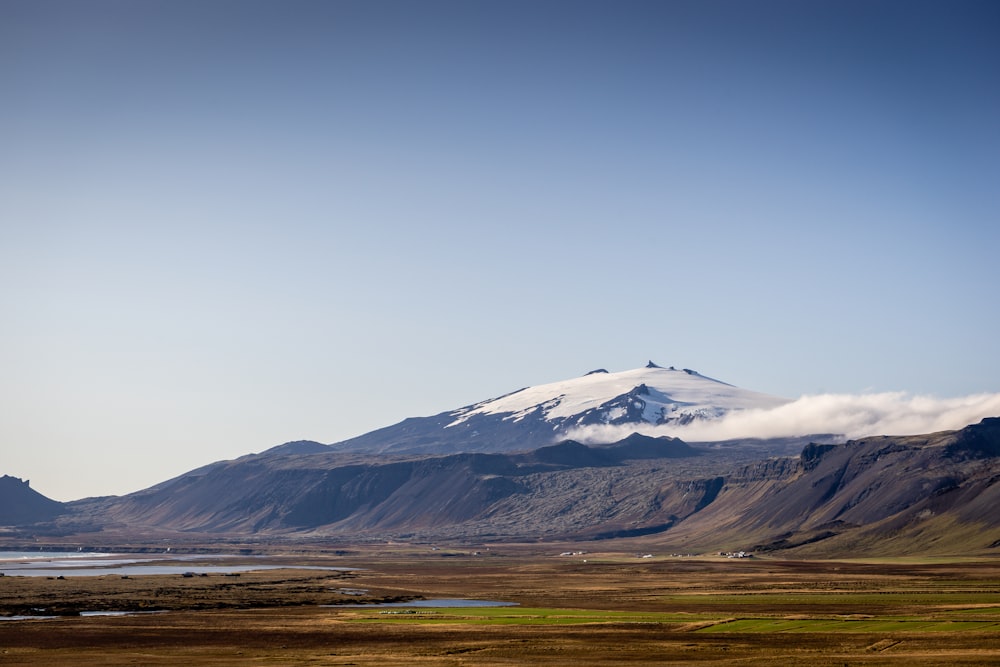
<point>594,609</point>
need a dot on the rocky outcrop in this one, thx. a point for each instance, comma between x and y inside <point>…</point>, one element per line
<point>20,504</point>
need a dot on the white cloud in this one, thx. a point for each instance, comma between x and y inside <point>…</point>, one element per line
<point>848,415</point>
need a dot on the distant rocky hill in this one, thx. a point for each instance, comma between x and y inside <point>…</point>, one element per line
<point>20,504</point>
<point>934,493</point>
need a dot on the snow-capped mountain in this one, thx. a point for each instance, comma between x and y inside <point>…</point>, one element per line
<point>507,469</point>
<point>540,415</point>
<point>653,395</point>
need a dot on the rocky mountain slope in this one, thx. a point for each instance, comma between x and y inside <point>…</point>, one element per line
<point>935,493</point>
<point>332,492</point>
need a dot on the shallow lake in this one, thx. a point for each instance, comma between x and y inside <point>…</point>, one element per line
<point>52,564</point>
<point>48,555</point>
<point>139,570</point>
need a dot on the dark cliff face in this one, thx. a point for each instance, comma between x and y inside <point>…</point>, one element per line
<point>20,504</point>
<point>980,440</point>
<point>812,454</point>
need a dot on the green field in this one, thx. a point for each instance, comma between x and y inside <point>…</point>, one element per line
<point>988,621</point>
<point>514,616</point>
<point>861,600</point>
<point>566,613</point>
<point>851,625</point>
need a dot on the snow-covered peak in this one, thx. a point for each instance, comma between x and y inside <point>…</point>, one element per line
<point>651,394</point>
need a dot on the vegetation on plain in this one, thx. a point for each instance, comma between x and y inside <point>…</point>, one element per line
<point>598,608</point>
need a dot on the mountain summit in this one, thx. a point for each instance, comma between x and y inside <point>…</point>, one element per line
<point>652,395</point>
<point>537,416</point>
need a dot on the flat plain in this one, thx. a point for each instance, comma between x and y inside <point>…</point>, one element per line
<point>593,608</point>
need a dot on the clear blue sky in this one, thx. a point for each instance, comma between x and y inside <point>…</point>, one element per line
<point>229,224</point>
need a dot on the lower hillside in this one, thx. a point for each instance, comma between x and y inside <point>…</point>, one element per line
<point>886,495</point>
<point>934,493</point>
<point>458,495</point>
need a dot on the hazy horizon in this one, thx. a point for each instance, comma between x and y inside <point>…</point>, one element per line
<point>226,225</point>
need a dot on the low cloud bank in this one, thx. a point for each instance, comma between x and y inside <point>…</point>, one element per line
<point>848,415</point>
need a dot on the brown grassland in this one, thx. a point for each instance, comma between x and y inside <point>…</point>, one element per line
<point>598,608</point>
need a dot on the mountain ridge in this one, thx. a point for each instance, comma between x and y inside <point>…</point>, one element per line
<point>503,470</point>
<point>882,495</point>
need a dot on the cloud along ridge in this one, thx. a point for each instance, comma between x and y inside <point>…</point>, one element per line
<point>848,415</point>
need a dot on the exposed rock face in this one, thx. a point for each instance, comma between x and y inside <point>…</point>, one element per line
<point>978,442</point>
<point>20,504</point>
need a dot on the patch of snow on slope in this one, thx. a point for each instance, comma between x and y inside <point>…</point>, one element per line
<point>613,414</point>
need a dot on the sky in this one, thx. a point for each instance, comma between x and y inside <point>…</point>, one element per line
<point>228,224</point>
